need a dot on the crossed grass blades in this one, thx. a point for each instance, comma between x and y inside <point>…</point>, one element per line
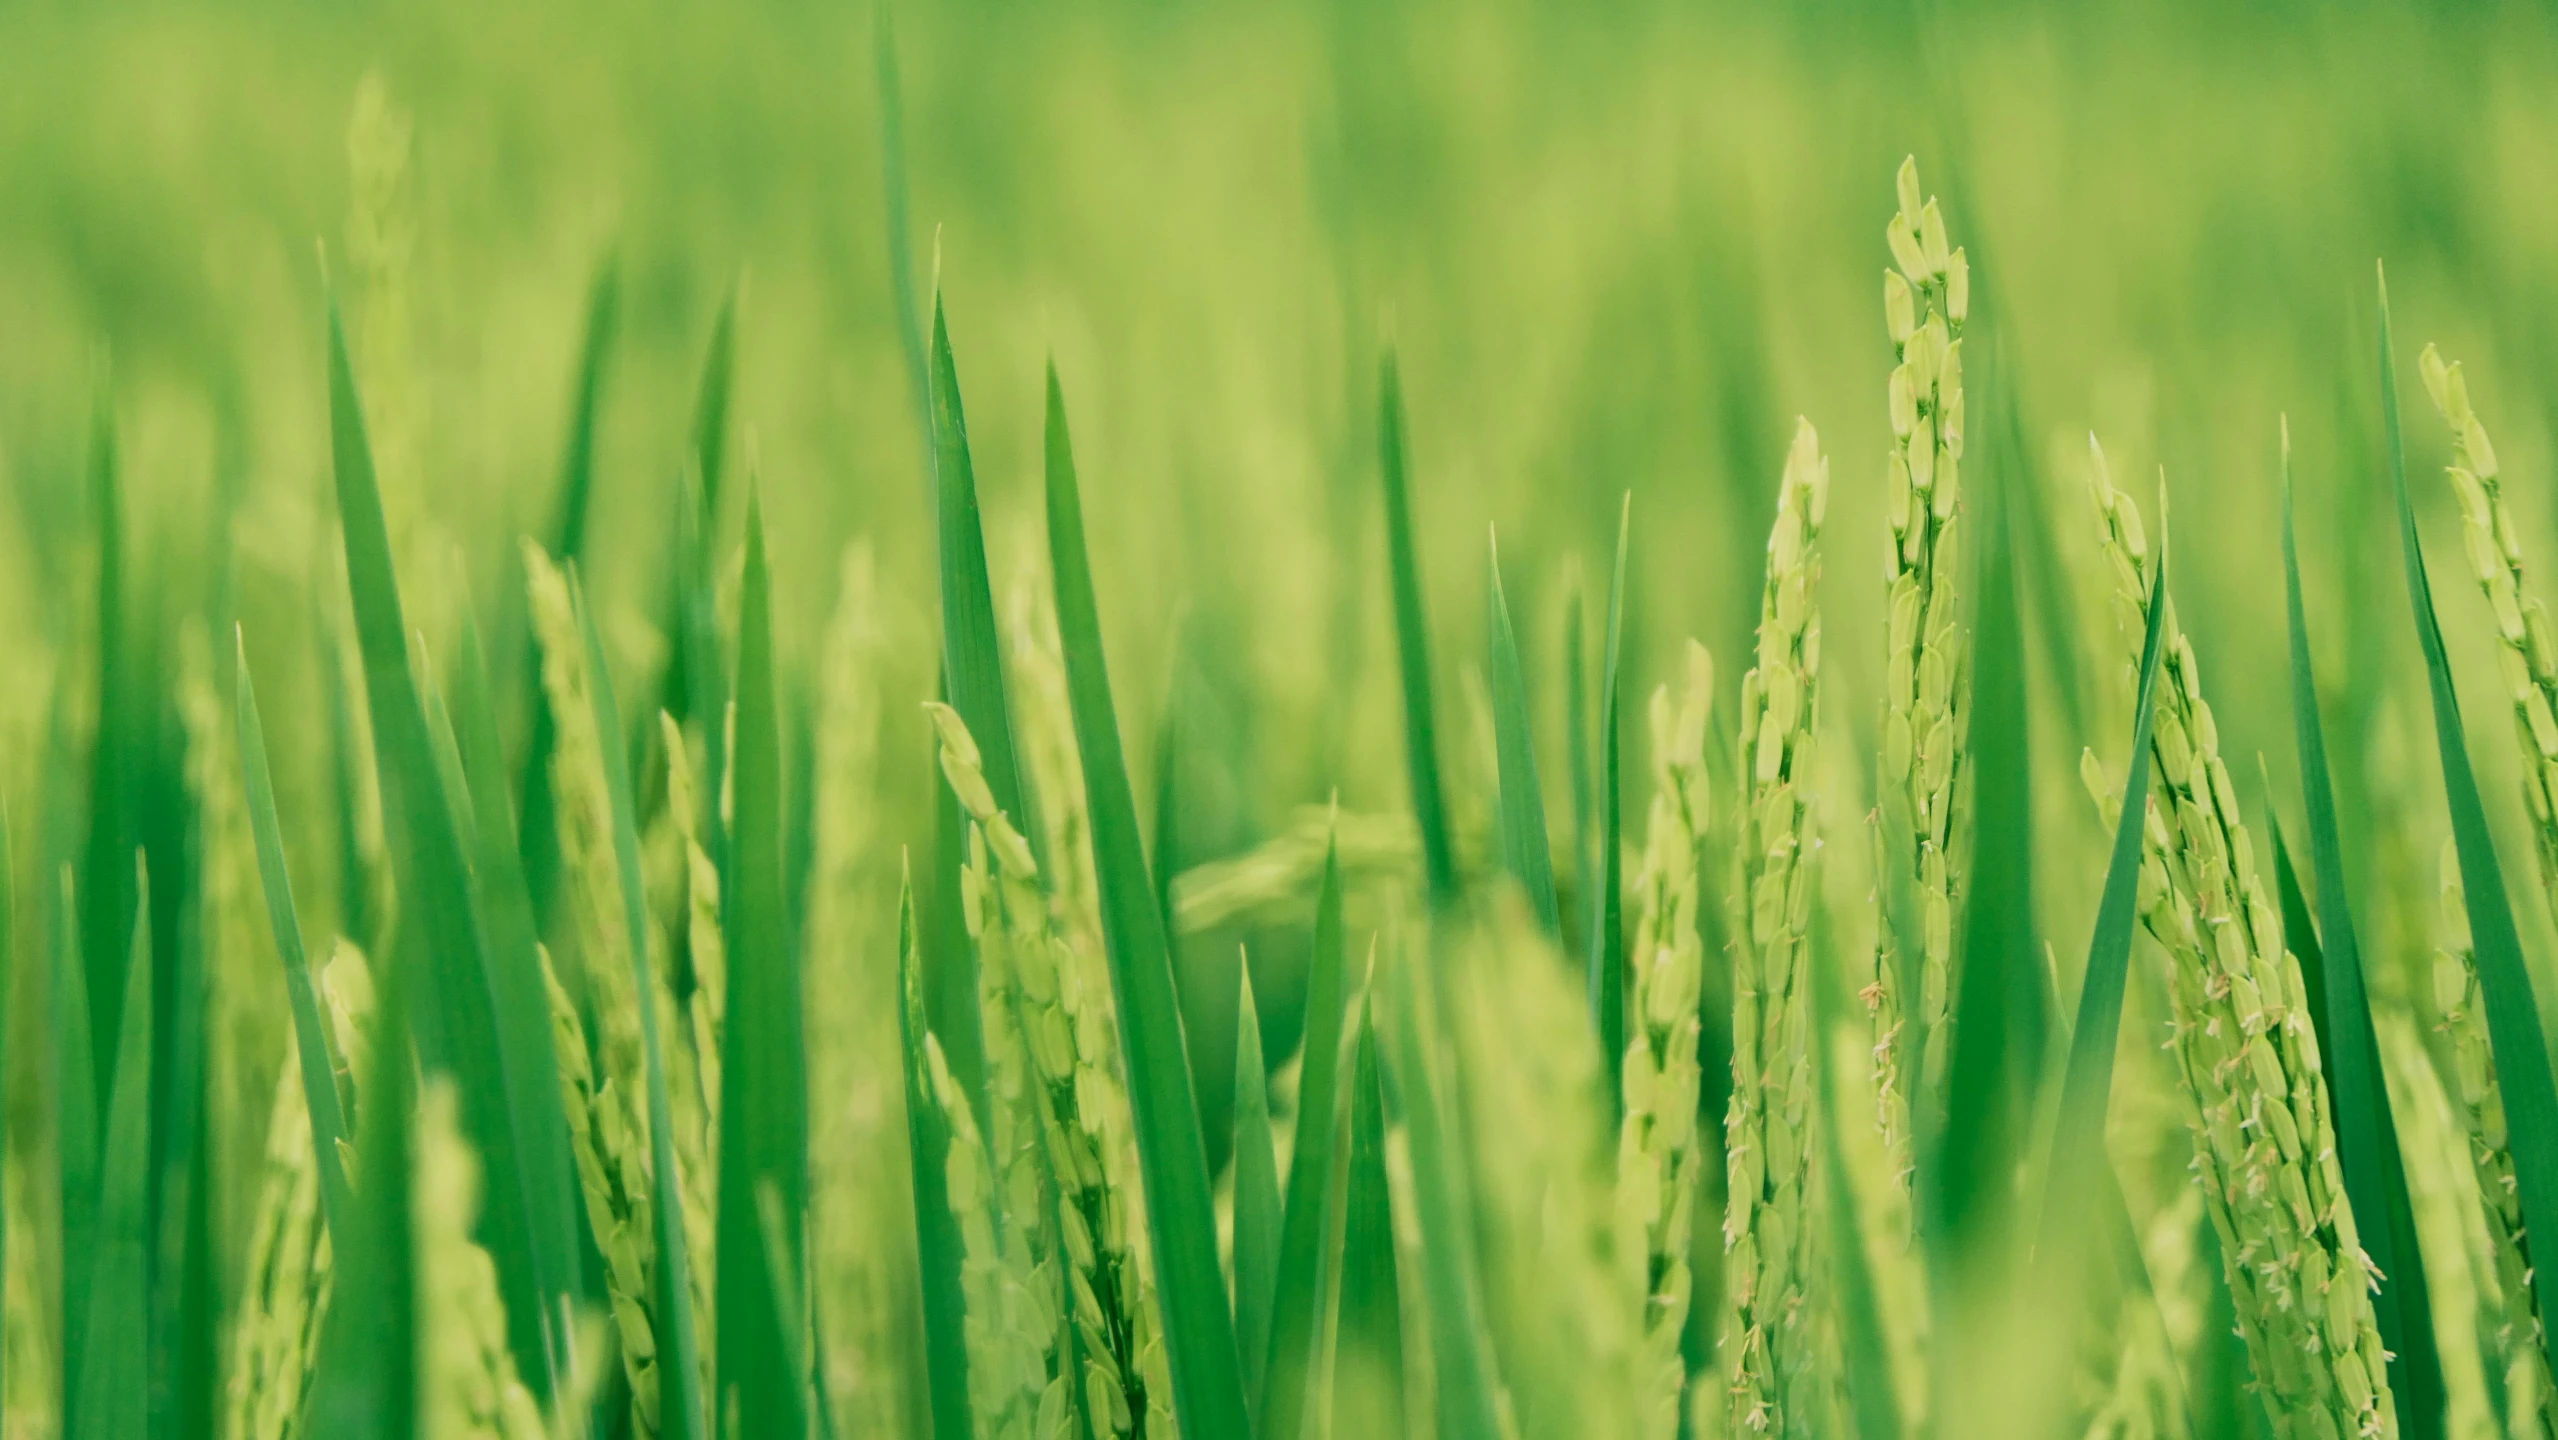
<point>581,1114</point>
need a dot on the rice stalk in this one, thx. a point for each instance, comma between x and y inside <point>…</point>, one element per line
<point>2460,1017</point>
<point>1770,1340</point>
<point>1062,1028</point>
<point>1536,1093</point>
<point>284,1284</point>
<point>694,1022</point>
<point>859,1247</point>
<point>1018,1379</point>
<point>1659,1148</point>
<point>1924,303</point>
<point>469,1389</point>
<point>2527,647</point>
<point>2247,1053</point>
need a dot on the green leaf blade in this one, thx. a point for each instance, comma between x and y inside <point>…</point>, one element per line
<point>1412,640</point>
<point>2514,1035</point>
<point>1368,1364</point>
<point>1257,1203</point>
<point>329,1129</point>
<point>1607,913</point>
<point>1525,846</point>
<point>506,1075</point>
<point>2367,1133</point>
<point>2075,1162</point>
<point>1199,1332</point>
<point>937,1239</point>
<point>1296,1317</point>
<point>115,1359</point>
<point>763,1098</point>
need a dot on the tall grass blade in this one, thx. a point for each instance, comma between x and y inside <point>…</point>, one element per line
<point>972,655</point>
<point>367,1378</point>
<point>2075,1164</point>
<point>1257,1204</point>
<point>1576,749</point>
<point>1367,1388</point>
<point>75,1092</point>
<point>1199,1334</point>
<point>680,1411</point>
<point>1460,1345</point>
<point>116,762</point>
<point>1998,1008</point>
<point>763,1099</point>
<point>2366,1132</point>
<point>2513,1012</point>
<point>1412,640</point>
<point>937,1239</point>
<point>1524,844</point>
<point>113,1399</point>
<point>329,1129</point>
<point>1296,1312</point>
<point>506,902</point>
<point>1607,908</point>
<point>505,1072</point>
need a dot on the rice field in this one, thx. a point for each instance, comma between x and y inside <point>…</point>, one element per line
<point>1207,722</point>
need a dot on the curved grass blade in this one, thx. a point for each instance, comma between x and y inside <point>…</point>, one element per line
<point>1257,1205</point>
<point>1199,1335</point>
<point>2076,1161</point>
<point>1167,853</point>
<point>2366,1132</point>
<point>329,1130</point>
<point>1296,1312</point>
<point>1524,843</point>
<point>937,1241</point>
<point>680,1412</point>
<point>763,1100</point>
<point>113,1399</point>
<point>1607,910</point>
<point>1412,640</point>
<point>2300,936</point>
<point>1367,1392</point>
<point>506,902</point>
<point>75,1117</point>
<point>366,1382</point>
<point>2513,1012</point>
<point>487,1015</point>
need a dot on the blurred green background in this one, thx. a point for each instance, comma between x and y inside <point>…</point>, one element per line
<point>1619,247</point>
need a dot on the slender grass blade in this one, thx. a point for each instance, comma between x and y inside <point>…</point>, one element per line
<point>1524,843</point>
<point>75,1124</point>
<point>113,1402</point>
<point>1367,1394</point>
<point>2513,1012</point>
<point>1257,1203</point>
<point>1576,748</point>
<point>937,1239</point>
<point>1607,910</point>
<point>972,655</point>
<point>763,1101</point>
<point>1412,640</point>
<point>116,763</point>
<point>506,1073</point>
<point>1296,1308</point>
<point>329,1129</point>
<point>1461,1346</point>
<point>2367,1133</point>
<point>367,1382</point>
<point>1199,1332</point>
<point>2076,1161</point>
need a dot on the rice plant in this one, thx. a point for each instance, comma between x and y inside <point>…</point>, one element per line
<point>838,913</point>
